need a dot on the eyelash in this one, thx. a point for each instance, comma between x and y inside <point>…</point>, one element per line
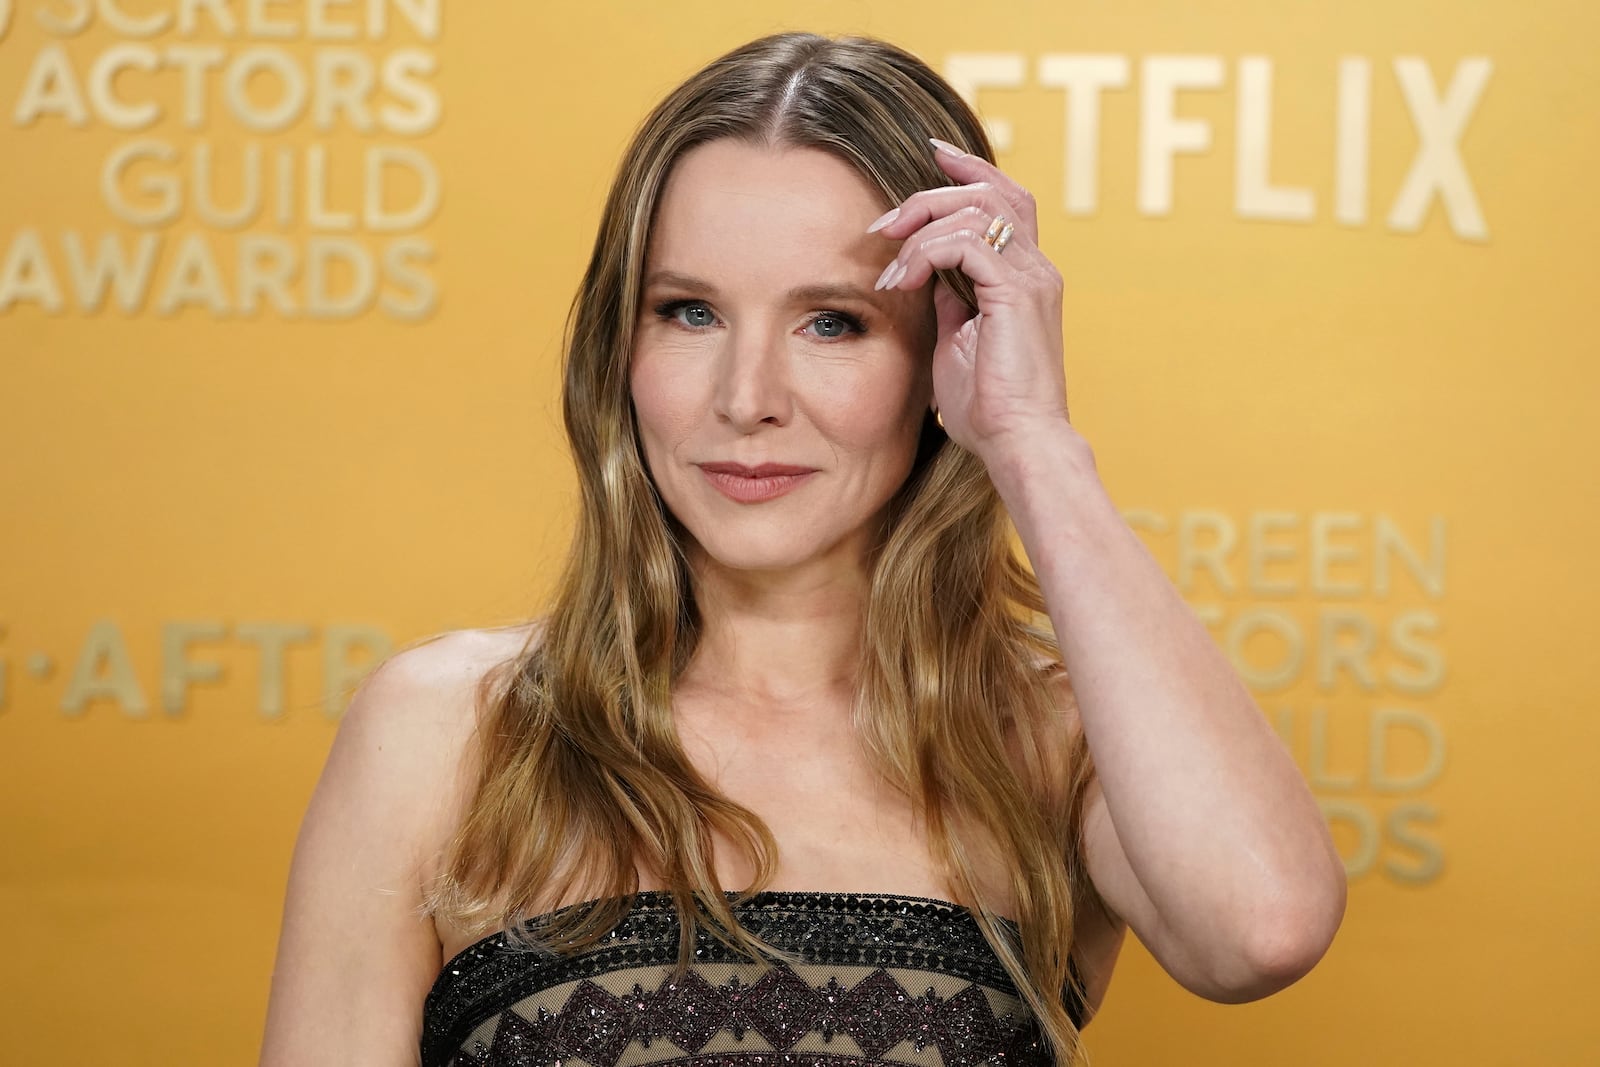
<point>669,309</point>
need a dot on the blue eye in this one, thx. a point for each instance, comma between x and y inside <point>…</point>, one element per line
<point>670,309</point>
<point>696,310</point>
<point>836,321</point>
<point>695,315</point>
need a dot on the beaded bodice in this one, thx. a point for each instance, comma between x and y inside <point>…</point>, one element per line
<point>882,980</point>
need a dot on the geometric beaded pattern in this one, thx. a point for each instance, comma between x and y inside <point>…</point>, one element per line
<point>881,980</point>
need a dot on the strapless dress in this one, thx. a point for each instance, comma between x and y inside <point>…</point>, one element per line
<point>883,979</point>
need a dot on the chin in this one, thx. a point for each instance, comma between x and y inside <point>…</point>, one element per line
<point>754,556</point>
<point>738,547</point>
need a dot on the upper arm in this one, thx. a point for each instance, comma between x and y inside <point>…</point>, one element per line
<point>1123,902</point>
<point>1100,918</point>
<point>357,955</point>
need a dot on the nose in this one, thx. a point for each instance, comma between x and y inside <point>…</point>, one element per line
<point>753,387</point>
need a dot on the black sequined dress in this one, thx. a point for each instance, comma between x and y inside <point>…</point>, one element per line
<point>884,980</point>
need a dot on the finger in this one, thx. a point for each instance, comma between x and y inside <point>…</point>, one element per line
<point>967,226</point>
<point>966,167</point>
<point>977,219</point>
<point>923,207</point>
<point>962,249</point>
<point>950,311</point>
<point>958,325</point>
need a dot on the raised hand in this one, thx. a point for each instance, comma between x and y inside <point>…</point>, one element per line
<point>997,376</point>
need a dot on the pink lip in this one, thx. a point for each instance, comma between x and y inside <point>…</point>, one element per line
<point>754,485</point>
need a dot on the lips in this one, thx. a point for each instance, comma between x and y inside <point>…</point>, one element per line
<point>755,485</point>
<point>765,470</point>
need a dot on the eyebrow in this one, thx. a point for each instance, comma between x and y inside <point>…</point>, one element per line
<point>820,293</point>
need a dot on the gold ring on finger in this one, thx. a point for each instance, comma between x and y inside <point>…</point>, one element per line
<point>1004,238</point>
<point>995,229</point>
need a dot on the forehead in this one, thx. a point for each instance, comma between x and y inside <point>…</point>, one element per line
<point>745,208</point>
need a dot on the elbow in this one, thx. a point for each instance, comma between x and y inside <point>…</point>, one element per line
<point>1282,948</point>
<point>1289,955</point>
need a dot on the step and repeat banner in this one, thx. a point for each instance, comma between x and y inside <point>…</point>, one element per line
<point>281,291</point>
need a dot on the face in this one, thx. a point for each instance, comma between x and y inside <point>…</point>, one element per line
<point>779,399</point>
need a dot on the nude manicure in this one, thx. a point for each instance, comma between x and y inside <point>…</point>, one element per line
<point>883,220</point>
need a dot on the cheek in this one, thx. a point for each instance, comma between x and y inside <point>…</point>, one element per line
<point>873,416</point>
<point>664,403</point>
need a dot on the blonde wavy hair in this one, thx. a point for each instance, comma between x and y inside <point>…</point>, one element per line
<point>581,772</point>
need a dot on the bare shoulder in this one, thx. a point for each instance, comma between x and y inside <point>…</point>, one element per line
<point>1052,737</point>
<point>431,687</point>
<point>447,664</point>
<point>411,722</point>
<point>357,953</point>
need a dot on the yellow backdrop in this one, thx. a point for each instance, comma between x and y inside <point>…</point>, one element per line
<point>281,285</point>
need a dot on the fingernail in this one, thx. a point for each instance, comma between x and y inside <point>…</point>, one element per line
<point>888,272</point>
<point>946,147</point>
<point>884,220</point>
<point>899,275</point>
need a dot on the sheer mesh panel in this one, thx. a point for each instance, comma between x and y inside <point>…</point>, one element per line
<point>880,980</point>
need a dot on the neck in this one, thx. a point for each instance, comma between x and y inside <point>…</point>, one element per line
<point>789,637</point>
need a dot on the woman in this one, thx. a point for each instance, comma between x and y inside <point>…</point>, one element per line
<point>795,766</point>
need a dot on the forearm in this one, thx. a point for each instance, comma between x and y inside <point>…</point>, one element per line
<point>1216,822</point>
